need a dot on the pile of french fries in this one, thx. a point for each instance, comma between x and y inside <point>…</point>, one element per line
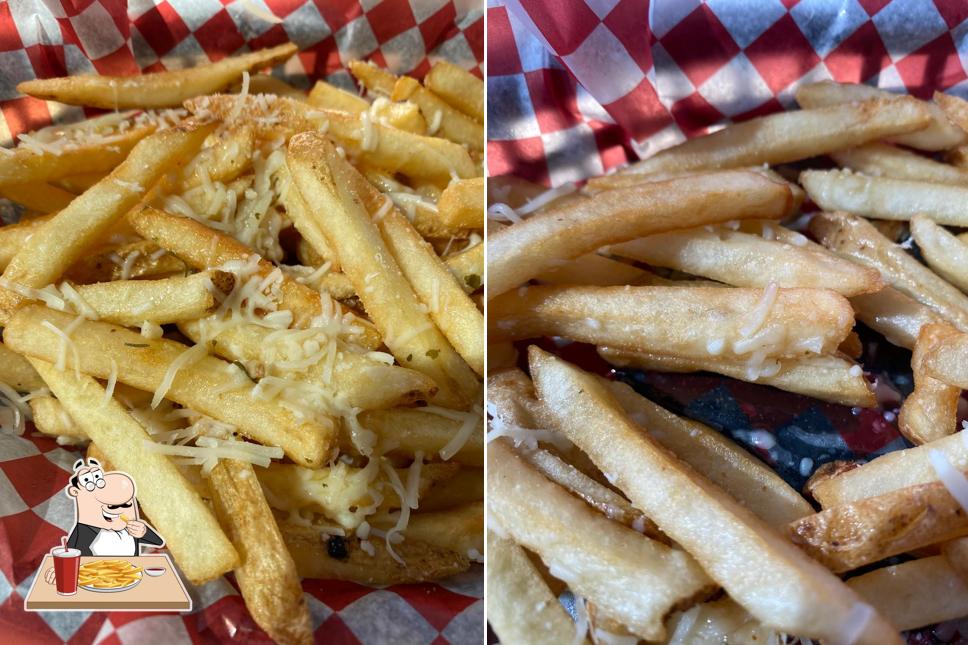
<point>108,574</point>
<point>699,259</point>
<point>265,305</point>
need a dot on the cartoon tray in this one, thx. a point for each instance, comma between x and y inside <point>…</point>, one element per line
<point>150,593</point>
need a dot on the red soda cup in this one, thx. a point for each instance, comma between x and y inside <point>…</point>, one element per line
<point>67,563</point>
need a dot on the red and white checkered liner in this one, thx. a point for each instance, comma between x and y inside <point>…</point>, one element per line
<point>43,38</point>
<point>562,71</point>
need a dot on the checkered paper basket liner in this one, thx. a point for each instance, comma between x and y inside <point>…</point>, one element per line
<point>44,38</point>
<point>579,87</point>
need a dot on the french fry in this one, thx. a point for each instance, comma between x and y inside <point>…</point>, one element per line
<point>312,235</point>
<point>403,116</point>
<point>889,472</point>
<point>465,487</point>
<point>53,420</point>
<point>884,160</point>
<point>931,410</point>
<point>204,248</point>
<point>852,535</point>
<point>724,463</point>
<point>640,580</point>
<point>266,573</point>
<point>224,160</point>
<point>594,269</point>
<point>376,276</point>
<point>468,267</point>
<point>945,359</point>
<point>790,136</point>
<point>44,258</point>
<point>17,372</point>
<point>886,198</point>
<point>454,313</point>
<point>146,363</point>
<point>80,182</point>
<point>681,321</point>
<point>944,252</point>
<point>418,157</point>
<point>604,499</point>
<point>461,204</point>
<point>175,508</point>
<point>896,316</point>
<point>916,593</point>
<point>718,621</point>
<point>141,259</point>
<point>40,197</point>
<point>365,383</point>
<point>422,212</point>
<point>269,84</point>
<point>828,378</point>
<point>521,608</point>
<point>801,596</point>
<point>101,154</point>
<point>459,529</point>
<point>956,553</point>
<point>523,251</point>
<point>14,236</point>
<point>940,133</point>
<point>442,119</point>
<point>305,251</point>
<point>745,260</point>
<point>856,239</point>
<point>407,430</point>
<point>421,561</point>
<point>130,303</point>
<point>458,87</point>
<point>158,90</point>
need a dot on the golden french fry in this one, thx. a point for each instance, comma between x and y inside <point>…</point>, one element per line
<point>44,258</point>
<point>389,299</point>
<point>856,239</point>
<point>14,236</point>
<point>146,364</point>
<point>886,198</point>
<point>548,520</point>
<point>266,573</point>
<point>594,269</point>
<point>132,302</point>
<point>442,119</point>
<point>884,160</point>
<point>158,90</point>
<point>718,621</point>
<point>98,154</point>
<point>896,316</point>
<point>852,535</point>
<point>727,465</point>
<point>468,267</point>
<point>204,248</point>
<point>939,134</point>
<point>330,97</point>
<point>409,430</point>
<point>459,529</point>
<point>311,551</point>
<point>802,597</point>
<point>956,553</point>
<point>53,420</point>
<point>465,487</point>
<point>461,205</point>
<point>17,372</point>
<point>421,211</point>
<point>745,260</point>
<point>366,383</point>
<point>914,594</point>
<point>695,322</point>
<point>80,182</point>
<point>523,251</point>
<point>944,252</point>
<point>790,136</point>
<point>223,160</point>
<point>828,378</point>
<point>141,259</point>
<point>458,87</point>
<point>40,197</point>
<point>175,508</point>
<point>521,608</point>
<point>931,410</point>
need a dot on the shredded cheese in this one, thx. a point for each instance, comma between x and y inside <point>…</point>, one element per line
<point>761,312</point>
<point>188,357</point>
<point>112,382</point>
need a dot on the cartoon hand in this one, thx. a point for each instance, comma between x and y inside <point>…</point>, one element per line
<point>49,576</point>
<point>136,528</point>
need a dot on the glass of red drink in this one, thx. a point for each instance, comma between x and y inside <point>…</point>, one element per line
<point>67,562</point>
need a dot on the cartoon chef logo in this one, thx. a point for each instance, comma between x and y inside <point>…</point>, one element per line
<point>106,514</point>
